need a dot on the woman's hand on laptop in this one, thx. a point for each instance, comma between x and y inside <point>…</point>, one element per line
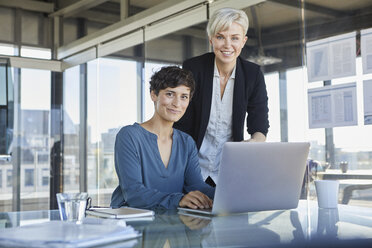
<point>195,199</point>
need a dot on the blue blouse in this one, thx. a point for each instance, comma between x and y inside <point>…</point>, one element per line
<point>144,181</point>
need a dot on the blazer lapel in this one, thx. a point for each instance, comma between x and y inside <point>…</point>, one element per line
<point>206,96</point>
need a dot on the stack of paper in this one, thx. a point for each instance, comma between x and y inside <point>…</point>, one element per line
<point>92,232</point>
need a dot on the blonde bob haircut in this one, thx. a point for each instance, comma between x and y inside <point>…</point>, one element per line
<point>223,18</point>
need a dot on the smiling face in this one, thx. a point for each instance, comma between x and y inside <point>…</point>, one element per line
<point>227,44</point>
<point>171,103</point>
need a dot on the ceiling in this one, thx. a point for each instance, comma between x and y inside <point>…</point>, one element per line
<point>276,17</point>
<point>276,12</point>
<point>276,26</point>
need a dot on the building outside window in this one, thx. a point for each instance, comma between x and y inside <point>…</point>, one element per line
<point>44,177</point>
<point>29,177</point>
<point>9,178</point>
<point>112,104</point>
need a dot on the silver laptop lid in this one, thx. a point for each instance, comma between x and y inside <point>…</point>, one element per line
<point>260,176</point>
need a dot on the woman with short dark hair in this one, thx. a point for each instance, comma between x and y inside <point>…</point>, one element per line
<point>157,165</point>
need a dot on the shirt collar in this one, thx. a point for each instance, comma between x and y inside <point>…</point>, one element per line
<point>215,72</point>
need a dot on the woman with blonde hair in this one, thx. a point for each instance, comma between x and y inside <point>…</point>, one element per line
<point>227,88</point>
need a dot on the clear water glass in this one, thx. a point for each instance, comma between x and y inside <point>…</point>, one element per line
<point>72,206</point>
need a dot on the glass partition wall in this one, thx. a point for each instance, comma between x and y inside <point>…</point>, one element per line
<point>336,88</point>
<point>281,37</point>
<point>112,104</point>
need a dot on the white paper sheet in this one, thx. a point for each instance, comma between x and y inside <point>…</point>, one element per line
<point>317,62</point>
<point>65,234</point>
<point>366,49</point>
<point>367,93</point>
<point>333,106</point>
<point>332,57</point>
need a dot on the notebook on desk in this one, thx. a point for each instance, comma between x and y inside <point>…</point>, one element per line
<point>257,177</point>
<point>120,213</point>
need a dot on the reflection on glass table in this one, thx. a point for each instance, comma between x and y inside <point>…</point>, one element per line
<point>350,181</point>
<point>327,223</point>
<point>261,229</point>
<point>307,224</point>
<point>336,174</point>
<point>345,223</point>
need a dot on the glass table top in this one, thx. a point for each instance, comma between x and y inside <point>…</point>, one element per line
<point>171,228</point>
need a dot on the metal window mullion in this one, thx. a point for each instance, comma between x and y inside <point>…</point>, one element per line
<point>140,51</point>
<point>329,143</point>
<point>283,106</point>
<point>16,152</point>
<point>16,161</point>
<point>83,185</point>
<point>56,135</point>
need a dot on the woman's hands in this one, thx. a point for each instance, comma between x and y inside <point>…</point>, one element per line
<point>195,199</point>
<point>257,137</point>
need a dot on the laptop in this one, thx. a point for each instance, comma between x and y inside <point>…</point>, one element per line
<point>258,177</point>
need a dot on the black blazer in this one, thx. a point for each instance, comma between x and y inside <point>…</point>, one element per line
<point>250,97</point>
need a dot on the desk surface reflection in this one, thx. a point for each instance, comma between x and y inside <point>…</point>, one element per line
<point>306,224</point>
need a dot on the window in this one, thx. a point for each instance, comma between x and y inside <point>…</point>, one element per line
<point>9,178</point>
<point>112,103</point>
<point>34,117</point>
<point>32,52</point>
<point>43,158</point>
<point>45,177</point>
<point>6,49</point>
<point>29,177</point>
<point>71,125</point>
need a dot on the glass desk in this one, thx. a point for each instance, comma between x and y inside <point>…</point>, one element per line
<point>347,225</point>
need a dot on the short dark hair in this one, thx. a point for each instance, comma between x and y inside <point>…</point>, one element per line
<point>172,77</point>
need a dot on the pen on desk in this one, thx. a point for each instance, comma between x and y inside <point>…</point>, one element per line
<point>89,205</point>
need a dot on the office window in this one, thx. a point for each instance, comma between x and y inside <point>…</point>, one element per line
<point>9,178</point>
<point>43,158</point>
<point>35,102</point>
<point>45,177</point>
<point>355,139</point>
<point>71,127</point>
<point>7,49</point>
<point>112,103</point>
<point>343,152</point>
<point>66,180</point>
<point>29,177</point>
<point>32,52</point>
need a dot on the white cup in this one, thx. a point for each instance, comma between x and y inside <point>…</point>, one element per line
<point>327,193</point>
<point>72,206</point>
